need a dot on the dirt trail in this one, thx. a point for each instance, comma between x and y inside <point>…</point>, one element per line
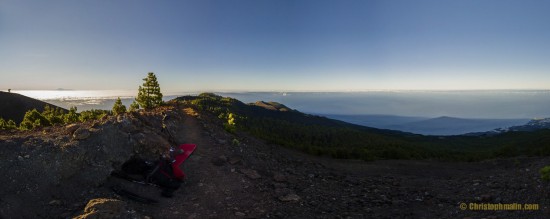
<point>210,190</point>
<point>206,185</point>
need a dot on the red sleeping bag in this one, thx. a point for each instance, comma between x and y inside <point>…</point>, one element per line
<point>180,158</point>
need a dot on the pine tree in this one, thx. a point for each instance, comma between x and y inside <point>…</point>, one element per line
<point>149,96</point>
<point>118,108</point>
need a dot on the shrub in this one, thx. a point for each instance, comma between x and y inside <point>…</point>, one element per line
<point>230,125</point>
<point>71,116</point>
<point>11,125</point>
<point>133,107</point>
<point>235,142</point>
<point>3,123</point>
<point>545,173</point>
<point>92,114</point>
<point>33,119</point>
<point>55,116</point>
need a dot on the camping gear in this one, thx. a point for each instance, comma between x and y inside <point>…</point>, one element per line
<point>165,172</point>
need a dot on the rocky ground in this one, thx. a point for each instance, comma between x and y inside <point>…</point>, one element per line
<point>64,172</point>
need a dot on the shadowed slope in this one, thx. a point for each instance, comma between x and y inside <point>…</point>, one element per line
<point>15,105</point>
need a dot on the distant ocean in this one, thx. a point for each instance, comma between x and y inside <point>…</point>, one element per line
<point>89,99</point>
<point>463,104</point>
<point>497,104</point>
<point>491,104</point>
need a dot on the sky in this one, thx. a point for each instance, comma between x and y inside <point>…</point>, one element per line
<point>279,45</point>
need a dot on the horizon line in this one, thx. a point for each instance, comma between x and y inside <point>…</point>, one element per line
<point>292,90</point>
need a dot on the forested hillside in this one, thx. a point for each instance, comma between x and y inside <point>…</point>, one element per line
<point>322,136</point>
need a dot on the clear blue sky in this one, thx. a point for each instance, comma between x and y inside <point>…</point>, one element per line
<point>275,45</point>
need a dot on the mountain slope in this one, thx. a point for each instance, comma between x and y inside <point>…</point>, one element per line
<point>312,134</point>
<point>15,105</point>
<point>271,106</point>
<point>327,137</point>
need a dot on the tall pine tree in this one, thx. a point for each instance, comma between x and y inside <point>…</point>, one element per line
<point>149,95</point>
<point>118,108</point>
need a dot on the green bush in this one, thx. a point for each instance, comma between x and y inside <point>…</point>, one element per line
<point>235,142</point>
<point>545,173</point>
<point>55,116</point>
<point>3,123</point>
<point>10,124</point>
<point>133,107</point>
<point>230,126</point>
<point>92,114</point>
<point>33,119</point>
<point>71,116</point>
